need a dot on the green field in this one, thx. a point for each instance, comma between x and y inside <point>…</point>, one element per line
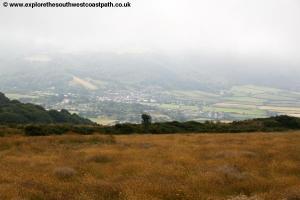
<point>20,96</point>
<point>255,112</point>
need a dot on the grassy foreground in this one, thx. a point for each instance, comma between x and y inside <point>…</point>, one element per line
<point>136,167</point>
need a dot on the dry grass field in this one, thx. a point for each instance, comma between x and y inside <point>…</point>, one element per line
<point>141,167</point>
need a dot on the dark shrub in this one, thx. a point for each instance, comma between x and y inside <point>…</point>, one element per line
<point>84,130</point>
<point>288,122</point>
<point>125,128</point>
<point>34,131</point>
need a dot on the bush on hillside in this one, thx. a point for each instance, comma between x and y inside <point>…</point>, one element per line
<point>34,131</point>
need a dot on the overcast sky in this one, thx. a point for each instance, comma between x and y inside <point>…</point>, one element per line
<point>241,28</point>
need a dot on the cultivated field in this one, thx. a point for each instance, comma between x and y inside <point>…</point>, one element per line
<point>139,167</point>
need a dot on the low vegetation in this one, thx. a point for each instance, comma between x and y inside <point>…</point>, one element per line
<point>257,166</point>
<point>279,124</point>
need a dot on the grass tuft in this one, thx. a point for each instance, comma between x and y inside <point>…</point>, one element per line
<point>64,172</point>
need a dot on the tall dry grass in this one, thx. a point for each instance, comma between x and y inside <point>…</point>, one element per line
<point>139,167</point>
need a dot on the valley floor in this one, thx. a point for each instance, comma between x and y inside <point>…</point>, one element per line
<point>141,167</point>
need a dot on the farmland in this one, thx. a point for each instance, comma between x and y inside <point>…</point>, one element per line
<point>108,106</point>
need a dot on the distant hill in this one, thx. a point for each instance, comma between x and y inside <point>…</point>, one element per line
<point>13,111</point>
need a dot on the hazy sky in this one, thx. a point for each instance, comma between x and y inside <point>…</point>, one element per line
<point>240,28</point>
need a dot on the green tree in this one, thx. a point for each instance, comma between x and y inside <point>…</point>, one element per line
<point>146,120</point>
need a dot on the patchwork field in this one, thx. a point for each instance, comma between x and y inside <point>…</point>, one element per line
<point>192,166</point>
<point>235,103</point>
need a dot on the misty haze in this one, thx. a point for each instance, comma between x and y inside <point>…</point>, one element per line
<point>98,85</point>
<point>178,60</point>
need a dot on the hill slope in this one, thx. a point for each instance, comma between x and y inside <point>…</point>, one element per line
<point>13,111</point>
